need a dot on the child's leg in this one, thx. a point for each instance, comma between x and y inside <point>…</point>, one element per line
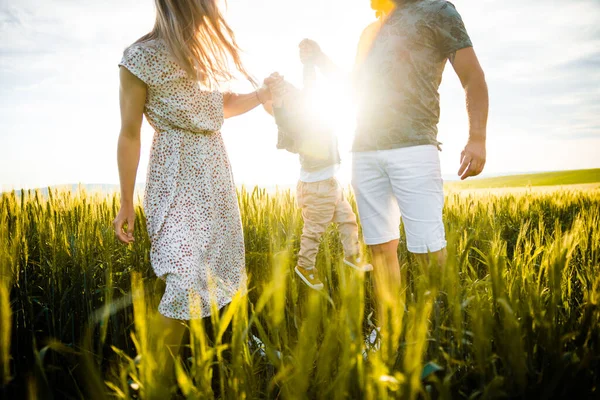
<point>348,228</point>
<point>317,201</point>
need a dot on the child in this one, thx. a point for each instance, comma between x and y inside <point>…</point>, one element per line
<point>319,194</point>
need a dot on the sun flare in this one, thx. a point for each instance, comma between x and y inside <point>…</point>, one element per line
<point>332,105</point>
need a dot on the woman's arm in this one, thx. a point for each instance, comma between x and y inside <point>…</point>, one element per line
<point>310,52</point>
<point>237,104</point>
<point>132,96</point>
<point>268,106</point>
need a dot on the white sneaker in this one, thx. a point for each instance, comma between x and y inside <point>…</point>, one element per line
<point>372,343</point>
<point>374,338</point>
<point>358,264</point>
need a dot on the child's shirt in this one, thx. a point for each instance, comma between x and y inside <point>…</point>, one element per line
<point>301,132</point>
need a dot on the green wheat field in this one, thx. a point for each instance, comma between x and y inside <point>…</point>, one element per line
<point>514,314</point>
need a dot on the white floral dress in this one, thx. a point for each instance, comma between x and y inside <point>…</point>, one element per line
<point>193,219</point>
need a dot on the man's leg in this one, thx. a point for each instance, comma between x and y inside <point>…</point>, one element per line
<point>386,270</point>
<point>380,220</point>
<point>390,297</point>
<point>436,258</point>
<point>416,178</point>
<point>432,264</point>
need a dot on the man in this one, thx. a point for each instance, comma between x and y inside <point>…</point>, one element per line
<point>396,167</point>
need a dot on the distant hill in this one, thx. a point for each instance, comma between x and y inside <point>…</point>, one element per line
<point>112,188</point>
<point>90,188</point>
<point>75,187</point>
<point>558,178</point>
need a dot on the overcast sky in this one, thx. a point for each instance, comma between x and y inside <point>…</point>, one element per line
<point>59,116</point>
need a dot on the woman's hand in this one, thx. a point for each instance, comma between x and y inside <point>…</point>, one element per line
<point>276,85</point>
<point>237,104</point>
<point>125,216</point>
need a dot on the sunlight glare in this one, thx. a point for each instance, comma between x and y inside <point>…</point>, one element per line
<point>332,105</point>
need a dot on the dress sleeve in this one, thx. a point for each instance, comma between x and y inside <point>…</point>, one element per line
<point>451,33</point>
<point>136,61</point>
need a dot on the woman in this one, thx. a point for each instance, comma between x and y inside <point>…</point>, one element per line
<point>193,220</point>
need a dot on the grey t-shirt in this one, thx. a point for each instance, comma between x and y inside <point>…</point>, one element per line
<point>397,83</point>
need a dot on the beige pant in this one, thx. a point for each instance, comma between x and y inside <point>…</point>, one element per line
<point>322,203</point>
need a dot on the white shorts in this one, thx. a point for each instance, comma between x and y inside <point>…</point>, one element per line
<point>407,182</point>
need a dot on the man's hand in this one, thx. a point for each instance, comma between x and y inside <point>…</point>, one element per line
<point>310,52</point>
<point>472,159</point>
<point>472,78</point>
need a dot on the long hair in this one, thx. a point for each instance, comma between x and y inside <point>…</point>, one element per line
<point>199,39</point>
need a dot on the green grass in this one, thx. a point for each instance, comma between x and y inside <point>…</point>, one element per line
<point>514,314</point>
<point>576,177</point>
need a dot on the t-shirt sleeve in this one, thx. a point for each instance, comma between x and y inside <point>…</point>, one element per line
<point>365,43</point>
<point>136,61</point>
<point>450,29</point>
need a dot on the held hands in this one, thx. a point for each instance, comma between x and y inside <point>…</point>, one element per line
<point>472,159</point>
<point>276,85</point>
<point>126,216</point>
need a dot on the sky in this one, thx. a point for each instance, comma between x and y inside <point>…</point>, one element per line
<point>59,114</point>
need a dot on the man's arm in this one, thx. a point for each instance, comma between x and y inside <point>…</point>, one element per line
<point>365,42</point>
<point>471,76</point>
<point>310,52</point>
